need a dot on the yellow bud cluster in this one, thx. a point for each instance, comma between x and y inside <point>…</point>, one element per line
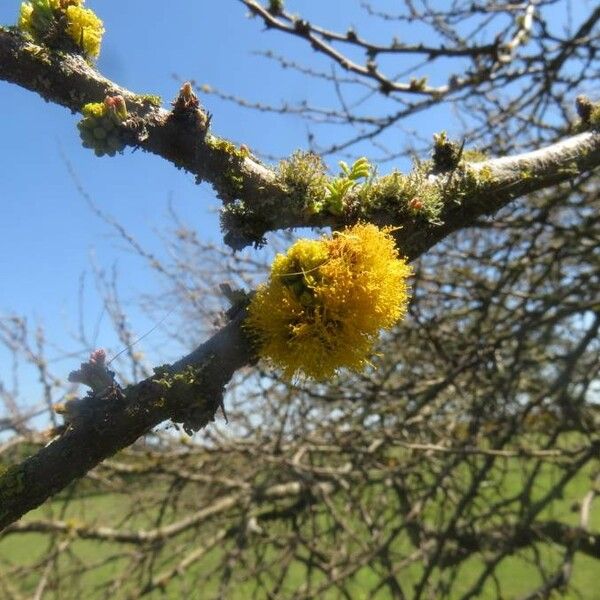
<point>100,127</point>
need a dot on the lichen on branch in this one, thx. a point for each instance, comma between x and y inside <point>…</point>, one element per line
<point>326,301</point>
<point>310,197</point>
<point>428,202</point>
<point>62,24</point>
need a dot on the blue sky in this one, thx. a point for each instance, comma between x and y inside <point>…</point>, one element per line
<point>49,235</point>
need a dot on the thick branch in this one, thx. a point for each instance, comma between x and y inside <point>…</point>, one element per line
<point>267,203</point>
<point>109,426</point>
<point>508,178</point>
<point>469,192</point>
<point>522,537</point>
<point>70,81</point>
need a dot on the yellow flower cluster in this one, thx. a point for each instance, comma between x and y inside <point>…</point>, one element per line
<point>326,301</point>
<point>44,19</point>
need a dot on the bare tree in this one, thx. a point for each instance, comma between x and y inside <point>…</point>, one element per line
<point>424,476</point>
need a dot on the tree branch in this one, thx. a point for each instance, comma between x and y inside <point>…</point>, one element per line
<point>110,424</point>
<point>265,202</point>
<point>68,80</point>
<point>292,489</point>
<point>523,536</point>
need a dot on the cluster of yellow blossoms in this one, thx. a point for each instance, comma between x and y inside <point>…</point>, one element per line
<point>46,19</point>
<point>326,301</point>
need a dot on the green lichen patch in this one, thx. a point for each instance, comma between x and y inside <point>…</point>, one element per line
<point>151,99</point>
<point>304,176</point>
<point>473,155</point>
<point>356,190</point>
<point>412,193</point>
<point>466,181</point>
<point>227,159</point>
<point>234,182</point>
<point>226,148</point>
<point>421,195</point>
<point>184,385</point>
<point>242,225</point>
<point>185,393</point>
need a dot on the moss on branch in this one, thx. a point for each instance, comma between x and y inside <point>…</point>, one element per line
<point>435,198</point>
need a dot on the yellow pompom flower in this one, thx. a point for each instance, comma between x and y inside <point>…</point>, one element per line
<point>85,29</point>
<point>326,301</point>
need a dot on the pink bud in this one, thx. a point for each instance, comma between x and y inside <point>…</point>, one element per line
<point>98,357</point>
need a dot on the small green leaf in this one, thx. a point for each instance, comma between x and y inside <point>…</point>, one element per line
<point>345,168</point>
<point>361,169</point>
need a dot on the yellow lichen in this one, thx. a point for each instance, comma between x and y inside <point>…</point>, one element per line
<point>25,15</point>
<point>52,22</point>
<point>94,109</point>
<point>227,147</point>
<point>326,301</point>
<point>85,29</point>
<point>474,155</point>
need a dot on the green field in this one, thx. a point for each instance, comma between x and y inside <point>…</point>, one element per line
<point>88,568</point>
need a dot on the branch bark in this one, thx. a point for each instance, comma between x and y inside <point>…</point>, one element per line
<point>71,82</point>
